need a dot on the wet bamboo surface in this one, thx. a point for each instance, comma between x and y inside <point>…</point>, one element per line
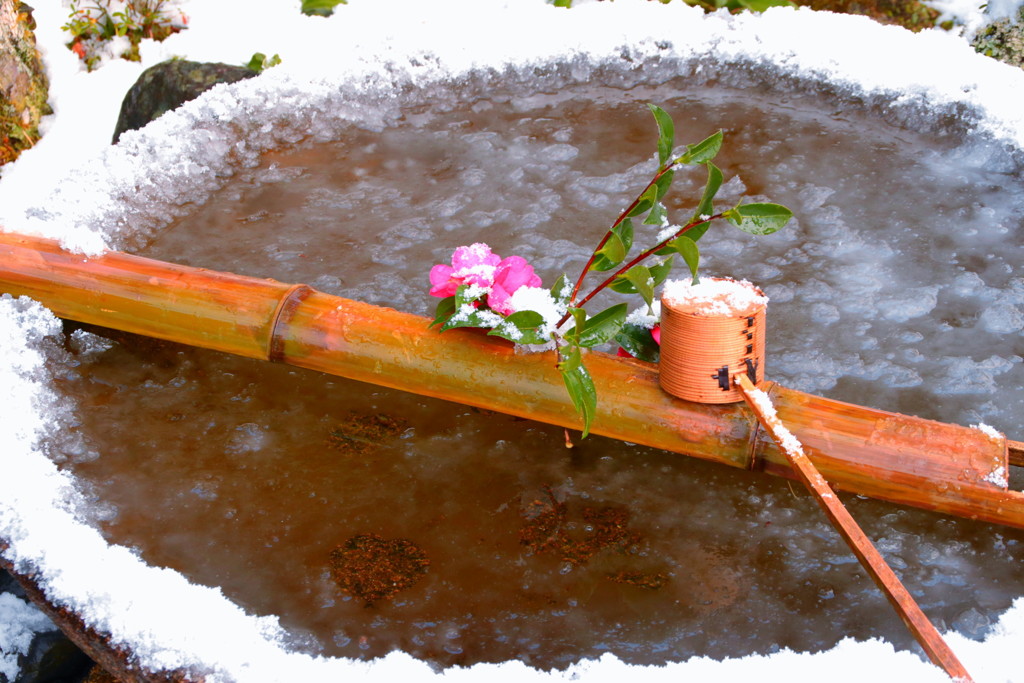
<point>1016,453</point>
<point>931,465</point>
<point>881,573</point>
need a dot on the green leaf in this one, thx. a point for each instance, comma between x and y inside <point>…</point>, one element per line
<point>462,296</point>
<point>762,5</point>
<point>557,290</point>
<point>687,248</point>
<point>260,62</point>
<point>638,342</point>
<point>759,219</point>
<point>697,231</point>
<point>625,232</point>
<point>579,319</point>
<point>642,206</point>
<point>661,271</point>
<point>603,327</point>
<point>581,390</point>
<point>615,249</point>
<point>663,182</point>
<point>622,285</point>
<point>706,206</point>
<point>637,279</point>
<point>476,318</point>
<point>646,201</point>
<point>445,309</point>
<point>611,254</point>
<point>666,133</point>
<point>256,62</point>
<point>569,359</point>
<point>702,152</point>
<point>657,216</point>
<point>522,327</point>
<point>322,8</point>
<point>525,319</point>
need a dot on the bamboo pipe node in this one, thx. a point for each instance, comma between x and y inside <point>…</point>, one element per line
<point>709,333</point>
<point>282,314</point>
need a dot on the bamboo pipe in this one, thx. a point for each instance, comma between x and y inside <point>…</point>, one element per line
<point>893,457</point>
<point>1016,449</point>
<point>885,578</point>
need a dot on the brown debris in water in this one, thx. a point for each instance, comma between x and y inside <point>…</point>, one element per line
<point>576,538</point>
<point>648,580</point>
<point>373,568</point>
<point>360,434</point>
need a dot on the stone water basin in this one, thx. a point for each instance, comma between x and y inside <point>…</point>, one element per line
<point>896,287</point>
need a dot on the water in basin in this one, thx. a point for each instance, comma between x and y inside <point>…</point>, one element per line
<point>897,287</point>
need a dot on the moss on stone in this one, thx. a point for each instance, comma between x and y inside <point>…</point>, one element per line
<point>23,99</point>
<point>1003,40</point>
<point>909,14</point>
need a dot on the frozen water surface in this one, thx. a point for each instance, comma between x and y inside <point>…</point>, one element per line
<point>894,288</point>
<point>896,284</point>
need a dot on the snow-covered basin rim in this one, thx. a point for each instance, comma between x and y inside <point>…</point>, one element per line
<point>186,154</point>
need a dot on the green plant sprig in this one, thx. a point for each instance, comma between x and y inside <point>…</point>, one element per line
<point>468,306</point>
<point>137,20</point>
<point>636,278</point>
<point>712,5</point>
<point>642,256</point>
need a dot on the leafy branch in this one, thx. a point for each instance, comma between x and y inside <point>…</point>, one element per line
<point>479,289</point>
<point>632,276</point>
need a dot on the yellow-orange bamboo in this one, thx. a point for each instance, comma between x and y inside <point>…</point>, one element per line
<point>881,573</point>
<point>894,457</point>
<point>1016,453</point>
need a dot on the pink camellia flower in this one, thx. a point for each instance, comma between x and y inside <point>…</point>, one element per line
<point>511,274</point>
<point>472,265</point>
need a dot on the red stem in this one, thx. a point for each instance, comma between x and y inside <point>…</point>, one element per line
<point>622,216</point>
<point>640,257</point>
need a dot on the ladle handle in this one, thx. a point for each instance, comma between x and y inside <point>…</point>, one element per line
<point>917,622</point>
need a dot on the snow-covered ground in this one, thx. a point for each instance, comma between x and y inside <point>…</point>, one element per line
<point>316,54</point>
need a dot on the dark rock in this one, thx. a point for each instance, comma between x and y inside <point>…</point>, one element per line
<point>8,584</point>
<point>23,84</point>
<point>170,84</point>
<point>53,658</point>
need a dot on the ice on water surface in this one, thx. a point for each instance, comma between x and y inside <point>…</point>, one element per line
<point>897,287</point>
<point>888,298</point>
<point>896,283</point>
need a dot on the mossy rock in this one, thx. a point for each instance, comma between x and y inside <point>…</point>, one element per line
<point>1002,40</point>
<point>168,85</point>
<point>24,88</point>
<point>909,14</point>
